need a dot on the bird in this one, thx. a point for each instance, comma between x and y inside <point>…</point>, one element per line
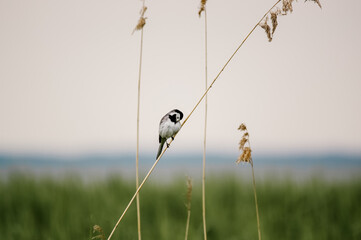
<point>168,127</point>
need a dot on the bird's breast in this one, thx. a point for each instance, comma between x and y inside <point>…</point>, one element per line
<point>168,129</point>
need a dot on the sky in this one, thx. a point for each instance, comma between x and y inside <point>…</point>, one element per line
<point>69,73</point>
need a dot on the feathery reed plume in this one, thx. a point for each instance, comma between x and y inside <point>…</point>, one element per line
<point>186,119</point>
<point>274,19</point>
<point>97,228</point>
<point>204,9</point>
<point>267,28</point>
<point>287,7</point>
<point>246,157</point>
<point>188,204</point>
<point>139,26</point>
<point>141,21</point>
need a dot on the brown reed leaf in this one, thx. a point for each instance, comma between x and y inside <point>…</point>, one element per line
<point>202,7</point>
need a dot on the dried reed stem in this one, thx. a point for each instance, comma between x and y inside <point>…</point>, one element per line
<point>137,191</point>
<point>187,224</point>
<point>188,205</point>
<point>137,155</point>
<point>138,106</point>
<point>186,119</point>
<point>246,157</point>
<point>205,130</point>
<point>255,199</point>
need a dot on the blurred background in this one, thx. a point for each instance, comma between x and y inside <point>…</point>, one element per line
<point>68,98</point>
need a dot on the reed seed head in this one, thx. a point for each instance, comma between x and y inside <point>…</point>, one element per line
<point>245,155</point>
<point>141,21</point>
<point>242,143</point>
<point>287,6</point>
<point>267,28</point>
<point>274,20</point>
<point>242,127</point>
<point>202,7</point>
<point>97,228</point>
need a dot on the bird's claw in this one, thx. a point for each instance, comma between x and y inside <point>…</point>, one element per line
<point>167,145</point>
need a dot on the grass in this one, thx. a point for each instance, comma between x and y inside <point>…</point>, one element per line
<point>44,208</point>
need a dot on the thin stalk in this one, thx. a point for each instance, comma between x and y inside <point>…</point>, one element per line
<point>137,155</point>
<point>205,131</point>
<point>188,205</point>
<point>137,191</point>
<point>187,226</point>
<point>185,120</point>
<point>255,199</point>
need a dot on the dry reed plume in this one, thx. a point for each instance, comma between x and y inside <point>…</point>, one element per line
<point>141,21</point>
<point>97,228</point>
<point>287,7</point>
<point>202,7</point>
<point>188,204</point>
<point>246,157</point>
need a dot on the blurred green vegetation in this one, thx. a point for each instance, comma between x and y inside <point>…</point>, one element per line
<point>45,208</point>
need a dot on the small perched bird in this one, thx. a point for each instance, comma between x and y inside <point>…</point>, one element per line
<point>169,126</point>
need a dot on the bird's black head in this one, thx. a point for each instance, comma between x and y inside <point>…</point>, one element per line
<point>175,115</point>
<point>180,113</point>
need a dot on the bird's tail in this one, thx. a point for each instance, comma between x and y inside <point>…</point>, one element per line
<point>162,141</point>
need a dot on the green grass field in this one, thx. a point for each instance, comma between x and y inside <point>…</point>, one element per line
<point>44,208</point>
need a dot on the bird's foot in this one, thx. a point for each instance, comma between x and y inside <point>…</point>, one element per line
<point>172,138</point>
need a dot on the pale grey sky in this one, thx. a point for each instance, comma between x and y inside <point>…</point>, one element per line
<point>69,69</point>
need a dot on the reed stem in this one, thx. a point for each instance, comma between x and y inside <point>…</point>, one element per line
<point>137,154</point>
<point>255,199</point>
<point>205,132</point>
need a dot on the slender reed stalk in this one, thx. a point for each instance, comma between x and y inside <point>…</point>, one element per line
<point>256,202</point>
<point>139,26</point>
<point>188,205</point>
<point>186,119</point>
<point>205,125</point>
<point>137,155</point>
<point>136,192</point>
<point>246,157</point>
